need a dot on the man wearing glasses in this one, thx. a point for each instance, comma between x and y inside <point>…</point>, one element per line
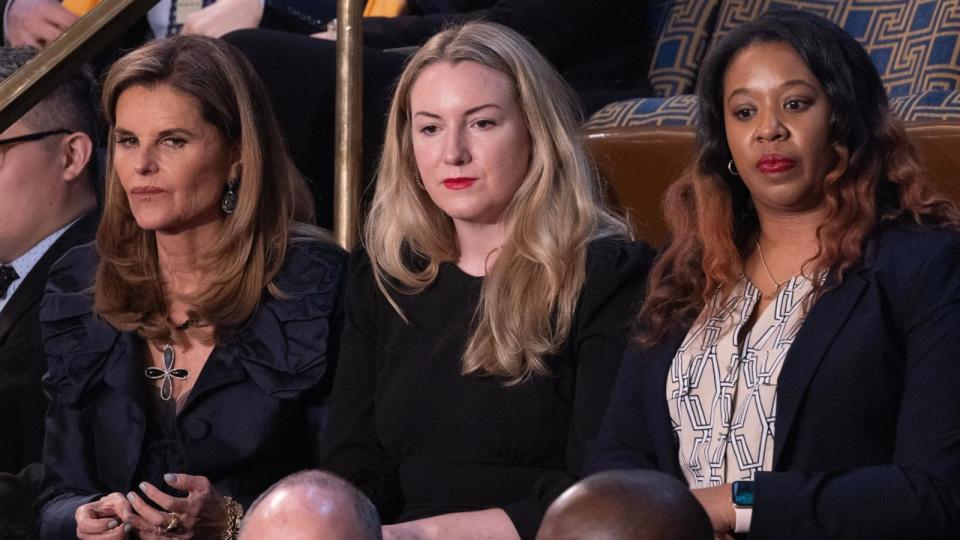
<point>47,202</point>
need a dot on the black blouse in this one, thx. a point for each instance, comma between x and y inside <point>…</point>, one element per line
<point>421,439</point>
<point>253,416</point>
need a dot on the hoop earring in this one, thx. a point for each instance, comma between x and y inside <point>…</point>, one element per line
<point>229,202</point>
<point>732,168</point>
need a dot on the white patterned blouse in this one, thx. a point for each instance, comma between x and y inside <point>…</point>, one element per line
<point>722,392</point>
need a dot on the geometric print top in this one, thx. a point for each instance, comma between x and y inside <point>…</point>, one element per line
<point>722,393</point>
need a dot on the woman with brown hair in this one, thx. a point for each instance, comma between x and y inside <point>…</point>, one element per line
<point>188,347</point>
<point>796,362</point>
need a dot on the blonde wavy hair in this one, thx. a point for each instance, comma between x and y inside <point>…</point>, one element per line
<point>272,195</point>
<point>530,293</point>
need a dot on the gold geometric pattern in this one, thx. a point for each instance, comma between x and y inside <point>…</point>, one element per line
<point>682,44</point>
<point>914,45</point>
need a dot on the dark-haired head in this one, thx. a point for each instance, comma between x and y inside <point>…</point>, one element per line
<point>837,60</point>
<point>876,177</point>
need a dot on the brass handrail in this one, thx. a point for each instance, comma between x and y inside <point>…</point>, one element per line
<point>348,120</point>
<point>76,46</point>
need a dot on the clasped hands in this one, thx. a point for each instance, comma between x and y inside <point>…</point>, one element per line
<point>201,514</point>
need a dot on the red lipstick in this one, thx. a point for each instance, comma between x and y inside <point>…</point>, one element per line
<point>775,163</point>
<point>462,182</point>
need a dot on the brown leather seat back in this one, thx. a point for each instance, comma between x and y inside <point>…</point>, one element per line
<point>639,163</point>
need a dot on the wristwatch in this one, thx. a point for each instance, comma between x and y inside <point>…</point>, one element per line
<point>741,495</point>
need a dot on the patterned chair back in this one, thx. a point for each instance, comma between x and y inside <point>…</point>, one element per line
<point>914,44</point>
<point>681,29</point>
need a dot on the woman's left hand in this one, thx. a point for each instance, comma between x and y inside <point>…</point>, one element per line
<point>716,501</point>
<point>202,513</point>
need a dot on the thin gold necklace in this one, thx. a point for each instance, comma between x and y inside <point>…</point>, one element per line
<point>763,262</point>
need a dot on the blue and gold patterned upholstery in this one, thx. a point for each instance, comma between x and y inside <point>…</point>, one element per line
<point>930,105</point>
<point>683,29</point>
<point>668,111</point>
<point>914,44</point>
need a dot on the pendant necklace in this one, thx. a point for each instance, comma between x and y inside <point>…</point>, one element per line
<point>169,372</point>
<point>763,263</point>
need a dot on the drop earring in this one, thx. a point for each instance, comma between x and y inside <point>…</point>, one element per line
<point>732,168</point>
<point>229,202</point>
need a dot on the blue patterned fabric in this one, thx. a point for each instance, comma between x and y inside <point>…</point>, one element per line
<point>683,30</point>
<point>931,105</point>
<point>680,110</point>
<point>915,46</point>
<point>670,111</point>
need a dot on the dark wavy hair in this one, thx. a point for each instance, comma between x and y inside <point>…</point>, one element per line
<point>879,177</point>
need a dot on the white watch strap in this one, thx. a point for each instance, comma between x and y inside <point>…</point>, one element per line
<point>743,517</point>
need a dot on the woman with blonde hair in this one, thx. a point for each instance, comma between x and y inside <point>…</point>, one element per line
<point>485,316</point>
<point>187,346</point>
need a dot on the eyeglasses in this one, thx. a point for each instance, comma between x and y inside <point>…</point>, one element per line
<point>34,136</point>
<point>6,144</point>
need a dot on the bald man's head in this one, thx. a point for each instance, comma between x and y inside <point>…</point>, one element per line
<point>311,505</point>
<point>626,505</point>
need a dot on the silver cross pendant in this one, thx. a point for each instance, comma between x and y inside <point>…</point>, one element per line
<point>167,373</point>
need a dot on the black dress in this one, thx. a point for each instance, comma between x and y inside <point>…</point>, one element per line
<point>421,439</point>
<point>253,416</point>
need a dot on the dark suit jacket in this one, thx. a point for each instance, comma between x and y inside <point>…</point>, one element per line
<point>22,361</point>
<point>17,492</point>
<point>867,435</point>
<point>253,416</point>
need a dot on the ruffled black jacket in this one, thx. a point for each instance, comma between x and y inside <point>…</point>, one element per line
<point>253,416</point>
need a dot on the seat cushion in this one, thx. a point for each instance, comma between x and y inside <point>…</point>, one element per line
<point>929,105</point>
<point>670,111</point>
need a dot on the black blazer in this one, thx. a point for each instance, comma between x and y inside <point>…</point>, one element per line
<point>867,434</point>
<point>22,362</point>
<point>253,416</point>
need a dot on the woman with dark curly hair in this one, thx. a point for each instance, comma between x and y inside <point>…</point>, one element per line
<point>796,356</point>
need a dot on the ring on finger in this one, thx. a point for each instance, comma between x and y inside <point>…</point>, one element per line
<point>174,522</point>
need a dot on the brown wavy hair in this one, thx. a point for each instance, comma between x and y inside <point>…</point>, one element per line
<point>129,292</point>
<point>879,177</point>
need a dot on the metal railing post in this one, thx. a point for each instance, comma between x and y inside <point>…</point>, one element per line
<point>348,120</point>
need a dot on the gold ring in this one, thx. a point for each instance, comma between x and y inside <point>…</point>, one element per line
<point>174,522</point>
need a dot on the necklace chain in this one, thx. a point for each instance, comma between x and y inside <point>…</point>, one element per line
<point>763,262</point>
